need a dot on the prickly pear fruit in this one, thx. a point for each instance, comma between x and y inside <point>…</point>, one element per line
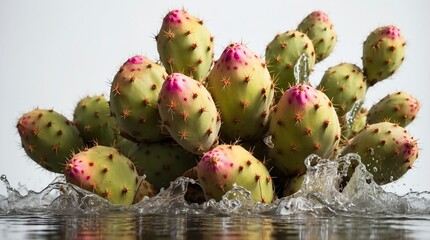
<point>303,122</point>
<point>387,150</point>
<point>243,90</point>
<point>399,107</point>
<point>104,171</point>
<point>133,99</point>
<point>383,53</point>
<point>344,84</point>
<point>318,27</point>
<point>162,162</point>
<point>95,122</point>
<point>226,165</point>
<point>185,45</point>
<point>48,138</point>
<point>282,54</point>
<point>189,113</point>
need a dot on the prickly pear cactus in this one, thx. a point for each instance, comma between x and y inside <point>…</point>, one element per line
<point>243,90</point>
<point>162,162</point>
<point>303,122</point>
<point>282,54</point>
<point>104,171</point>
<point>185,45</point>
<point>124,146</point>
<point>383,53</point>
<point>387,150</point>
<point>95,122</point>
<point>318,27</point>
<point>226,165</point>
<point>48,138</point>
<point>133,99</point>
<point>399,107</point>
<point>344,84</point>
<point>189,113</point>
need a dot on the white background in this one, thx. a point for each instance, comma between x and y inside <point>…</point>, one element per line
<point>52,53</point>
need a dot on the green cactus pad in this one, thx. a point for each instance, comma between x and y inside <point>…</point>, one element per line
<point>49,138</point>
<point>94,121</point>
<point>318,27</point>
<point>189,113</point>
<point>105,172</point>
<point>344,84</point>
<point>383,53</point>
<point>226,165</point>
<point>243,90</point>
<point>185,45</point>
<point>387,150</point>
<point>133,99</point>
<point>283,52</point>
<point>161,163</point>
<point>304,122</point>
<point>399,107</point>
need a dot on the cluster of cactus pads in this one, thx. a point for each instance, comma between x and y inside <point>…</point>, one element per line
<point>238,121</point>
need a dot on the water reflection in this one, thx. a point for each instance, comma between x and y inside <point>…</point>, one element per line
<point>129,225</point>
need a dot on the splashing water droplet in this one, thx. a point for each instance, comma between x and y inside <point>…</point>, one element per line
<point>268,141</point>
<point>301,69</point>
<point>350,115</point>
<point>375,169</point>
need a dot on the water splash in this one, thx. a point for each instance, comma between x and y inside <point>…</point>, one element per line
<point>351,114</point>
<point>318,194</point>
<point>301,69</point>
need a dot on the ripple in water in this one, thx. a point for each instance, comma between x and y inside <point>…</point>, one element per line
<point>319,194</point>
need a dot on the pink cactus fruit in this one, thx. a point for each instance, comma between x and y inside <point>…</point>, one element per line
<point>48,138</point>
<point>383,53</point>
<point>399,107</point>
<point>226,165</point>
<point>133,99</point>
<point>189,114</point>
<point>304,122</point>
<point>105,172</point>
<point>318,27</point>
<point>243,90</point>
<point>386,149</point>
<point>185,45</point>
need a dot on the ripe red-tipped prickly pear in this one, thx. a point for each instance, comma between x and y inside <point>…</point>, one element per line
<point>133,99</point>
<point>399,107</point>
<point>189,113</point>
<point>104,171</point>
<point>344,84</point>
<point>243,90</point>
<point>383,53</point>
<point>95,122</point>
<point>162,162</point>
<point>387,150</point>
<point>185,45</point>
<point>282,54</point>
<point>49,138</point>
<point>226,165</point>
<point>304,122</point>
<point>318,27</point>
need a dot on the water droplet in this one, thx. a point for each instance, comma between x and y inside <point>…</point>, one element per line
<point>375,169</point>
<point>301,69</point>
<point>268,141</point>
<point>350,115</point>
